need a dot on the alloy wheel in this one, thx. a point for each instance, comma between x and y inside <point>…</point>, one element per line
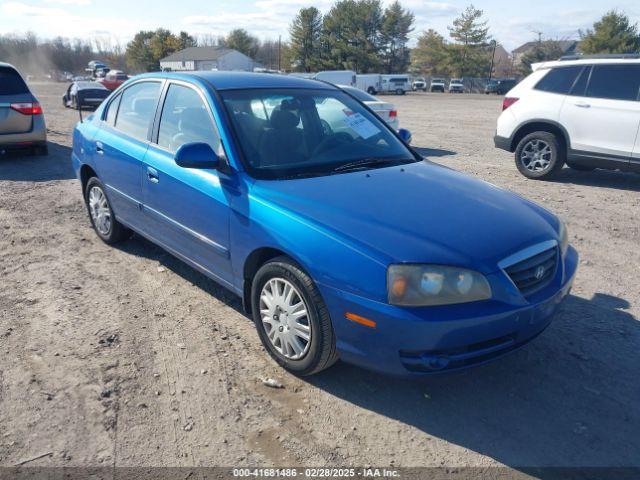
<point>99,209</point>
<point>285,318</point>
<point>536,155</point>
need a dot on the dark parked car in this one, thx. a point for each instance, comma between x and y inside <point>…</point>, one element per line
<point>500,87</point>
<point>85,94</point>
<point>21,120</point>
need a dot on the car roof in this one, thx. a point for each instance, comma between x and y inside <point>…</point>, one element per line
<point>241,80</point>
<point>584,61</point>
<point>7,65</point>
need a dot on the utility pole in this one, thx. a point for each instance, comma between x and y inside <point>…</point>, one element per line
<point>493,56</point>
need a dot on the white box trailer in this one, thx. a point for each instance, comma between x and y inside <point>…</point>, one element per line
<point>398,84</point>
<point>369,82</point>
<point>337,77</point>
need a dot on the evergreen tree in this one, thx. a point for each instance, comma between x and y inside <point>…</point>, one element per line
<point>397,24</point>
<point>430,56</point>
<point>469,55</point>
<point>240,40</point>
<point>613,33</point>
<point>306,32</point>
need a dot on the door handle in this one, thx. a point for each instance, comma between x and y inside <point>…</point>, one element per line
<point>99,148</point>
<point>583,105</point>
<point>152,175</point>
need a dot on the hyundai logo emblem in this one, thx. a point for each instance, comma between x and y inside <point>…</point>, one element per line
<point>539,273</point>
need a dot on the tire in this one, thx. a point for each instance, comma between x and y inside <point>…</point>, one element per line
<point>550,155</point>
<point>399,91</point>
<point>371,91</point>
<point>115,232</point>
<point>580,168</point>
<point>319,352</point>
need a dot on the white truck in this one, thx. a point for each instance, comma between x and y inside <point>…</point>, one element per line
<point>398,84</point>
<point>337,77</point>
<point>369,82</point>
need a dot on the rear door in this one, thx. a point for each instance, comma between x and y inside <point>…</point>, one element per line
<point>120,146</point>
<point>602,114</point>
<point>13,91</point>
<point>187,209</point>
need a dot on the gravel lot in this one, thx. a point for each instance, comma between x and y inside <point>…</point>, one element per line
<point>125,356</point>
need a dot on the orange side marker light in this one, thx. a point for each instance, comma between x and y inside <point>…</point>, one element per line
<point>361,320</point>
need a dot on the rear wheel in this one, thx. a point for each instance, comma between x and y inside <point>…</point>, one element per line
<point>102,218</point>
<point>291,318</point>
<point>539,155</point>
<point>399,91</point>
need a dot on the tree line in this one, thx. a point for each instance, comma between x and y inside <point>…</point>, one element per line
<point>357,35</point>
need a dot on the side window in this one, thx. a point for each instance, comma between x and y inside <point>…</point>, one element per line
<point>581,84</point>
<point>137,108</point>
<point>185,119</point>
<point>113,111</point>
<point>559,79</point>
<point>615,82</point>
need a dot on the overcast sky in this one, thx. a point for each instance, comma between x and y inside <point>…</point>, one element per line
<point>512,22</point>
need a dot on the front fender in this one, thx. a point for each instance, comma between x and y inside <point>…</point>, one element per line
<point>327,257</point>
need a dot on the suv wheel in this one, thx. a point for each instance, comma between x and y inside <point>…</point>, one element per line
<point>102,219</point>
<point>292,320</point>
<point>539,155</point>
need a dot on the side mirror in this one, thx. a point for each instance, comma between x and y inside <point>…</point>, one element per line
<point>197,155</point>
<point>405,135</point>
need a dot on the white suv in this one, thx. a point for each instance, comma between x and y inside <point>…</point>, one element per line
<point>582,111</point>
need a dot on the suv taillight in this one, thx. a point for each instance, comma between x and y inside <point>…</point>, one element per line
<point>27,108</point>
<point>393,114</point>
<point>507,102</point>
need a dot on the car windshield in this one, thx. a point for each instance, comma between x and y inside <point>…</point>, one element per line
<point>11,82</point>
<point>307,132</point>
<point>437,80</point>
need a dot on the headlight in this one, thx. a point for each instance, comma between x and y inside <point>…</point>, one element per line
<point>564,237</point>
<point>425,285</point>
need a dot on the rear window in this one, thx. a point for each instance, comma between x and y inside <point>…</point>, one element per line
<point>11,83</point>
<point>615,82</point>
<point>559,80</point>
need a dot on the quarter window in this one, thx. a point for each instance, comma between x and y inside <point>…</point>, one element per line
<point>559,80</point>
<point>113,110</point>
<point>615,82</point>
<point>185,119</point>
<point>137,108</point>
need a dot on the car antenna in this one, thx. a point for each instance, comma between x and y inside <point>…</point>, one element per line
<point>80,113</point>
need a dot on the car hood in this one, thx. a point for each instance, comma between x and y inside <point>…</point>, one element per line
<point>421,212</point>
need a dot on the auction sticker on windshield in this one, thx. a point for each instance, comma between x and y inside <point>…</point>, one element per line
<point>359,124</point>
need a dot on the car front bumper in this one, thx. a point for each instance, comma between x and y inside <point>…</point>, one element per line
<point>420,341</point>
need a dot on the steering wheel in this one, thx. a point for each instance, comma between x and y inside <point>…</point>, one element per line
<point>332,141</point>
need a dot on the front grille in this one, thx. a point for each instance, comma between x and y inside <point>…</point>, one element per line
<point>534,273</point>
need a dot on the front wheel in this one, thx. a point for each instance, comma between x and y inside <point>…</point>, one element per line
<point>291,318</point>
<point>539,155</point>
<point>102,218</point>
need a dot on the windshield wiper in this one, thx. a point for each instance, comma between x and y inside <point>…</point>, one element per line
<point>370,162</point>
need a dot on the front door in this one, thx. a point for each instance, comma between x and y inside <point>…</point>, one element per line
<point>121,144</point>
<point>602,116</point>
<point>187,210</point>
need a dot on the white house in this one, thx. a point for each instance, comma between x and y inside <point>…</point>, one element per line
<point>208,58</point>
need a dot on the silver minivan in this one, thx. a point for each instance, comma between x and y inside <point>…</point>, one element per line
<point>22,124</point>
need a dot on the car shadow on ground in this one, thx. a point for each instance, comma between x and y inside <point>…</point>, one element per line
<point>570,398</point>
<point>599,178</point>
<point>433,152</point>
<point>141,247</point>
<point>23,167</point>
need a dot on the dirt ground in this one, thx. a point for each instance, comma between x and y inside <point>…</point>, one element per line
<point>126,357</point>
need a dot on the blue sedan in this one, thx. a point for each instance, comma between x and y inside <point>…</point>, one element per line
<point>341,240</point>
